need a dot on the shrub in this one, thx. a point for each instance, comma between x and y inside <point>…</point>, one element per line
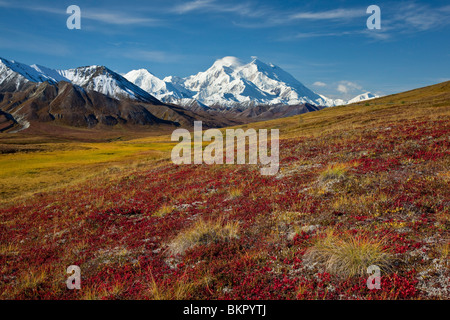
<point>181,289</point>
<point>203,233</point>
<point>164,210</point>
<point>235,193</point>
<point>336,171</point>
<point>349,255</point>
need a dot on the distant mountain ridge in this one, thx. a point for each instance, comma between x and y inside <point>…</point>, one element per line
<point>81,97</point>
<point>227,83</point>
<point>103,80</point>
<point>228,93</point>
<point>230,83</point>
<point>15,76</point>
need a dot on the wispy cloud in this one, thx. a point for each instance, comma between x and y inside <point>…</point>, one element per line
<point>213,6</point>
<point>419,17</point>
<point>119,18</point>
<point>319,84</point>
<point>304,35</point>
<point>94,14</point>
<point>396,19</point>
<point>335,14</point>
<point>347,87</point>
<point>193,6</point>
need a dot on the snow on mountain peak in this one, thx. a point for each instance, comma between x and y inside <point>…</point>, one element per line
<point>106,81</point>
<point>362,97</point>
<point>29,73</point>
<point>145,80</point>
<point>229,82</point>
<point>169,89</point>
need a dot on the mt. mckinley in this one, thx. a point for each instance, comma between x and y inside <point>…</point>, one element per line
<point>228,93</point>
<point>230,83</point>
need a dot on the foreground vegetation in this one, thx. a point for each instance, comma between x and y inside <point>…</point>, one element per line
<point>358,185</point>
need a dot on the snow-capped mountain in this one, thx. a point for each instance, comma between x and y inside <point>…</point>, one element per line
<point>227,83</point>
<point>362,97</point>
<point>230,83</point>
<point>165,90</point>
<point>15,76</point>
<point>103,80</point>
<point>169,90</point>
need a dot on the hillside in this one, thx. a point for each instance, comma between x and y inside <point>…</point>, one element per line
<point>359,185</point>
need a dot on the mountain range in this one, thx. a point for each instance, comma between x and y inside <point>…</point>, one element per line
<point>228,93</point>
<point>230,83</point>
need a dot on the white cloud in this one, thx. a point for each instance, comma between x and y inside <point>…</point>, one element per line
<point>246,9</point>
<point>421,17</point>
<point>319,84</point>
<point>348,87</point>
<point>118,18</point>
<point>100,15</point>
<point>342,88</point>
<point>192,6</point>
<point>330,14</point>
<point>396,20</point>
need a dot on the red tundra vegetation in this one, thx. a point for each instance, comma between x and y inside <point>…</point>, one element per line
<point>357,186</point>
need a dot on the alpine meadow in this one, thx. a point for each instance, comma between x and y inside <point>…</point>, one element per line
<point>127,173</point>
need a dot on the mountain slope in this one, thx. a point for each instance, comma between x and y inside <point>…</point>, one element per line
<point>103,80</point>
<point>16,76</point>
<point>72,105</point>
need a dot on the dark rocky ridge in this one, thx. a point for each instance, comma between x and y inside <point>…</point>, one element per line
<point>73,106</point>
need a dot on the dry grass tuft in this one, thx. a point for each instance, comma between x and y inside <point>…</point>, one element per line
<point>235,193</point>
<point>335,171</point>
<point>444,250</point>
<point>349,256</point>
<point>164,210</point>
<point>203,233</point>
<point>180,290</point>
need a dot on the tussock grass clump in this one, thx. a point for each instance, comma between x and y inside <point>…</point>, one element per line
<point>164,210</point>
<point>9,249</point>
<point>97,292</point>
<point>349,256</point>
<point>180,290</point>
<point>335,171</point>
<point>444,250</point>
<point>235,193</point>
<point>203,233</point>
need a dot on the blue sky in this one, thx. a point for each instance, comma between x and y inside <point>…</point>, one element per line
<point>324,44</point>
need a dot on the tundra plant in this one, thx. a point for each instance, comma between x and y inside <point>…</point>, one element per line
<point>214,152</point>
